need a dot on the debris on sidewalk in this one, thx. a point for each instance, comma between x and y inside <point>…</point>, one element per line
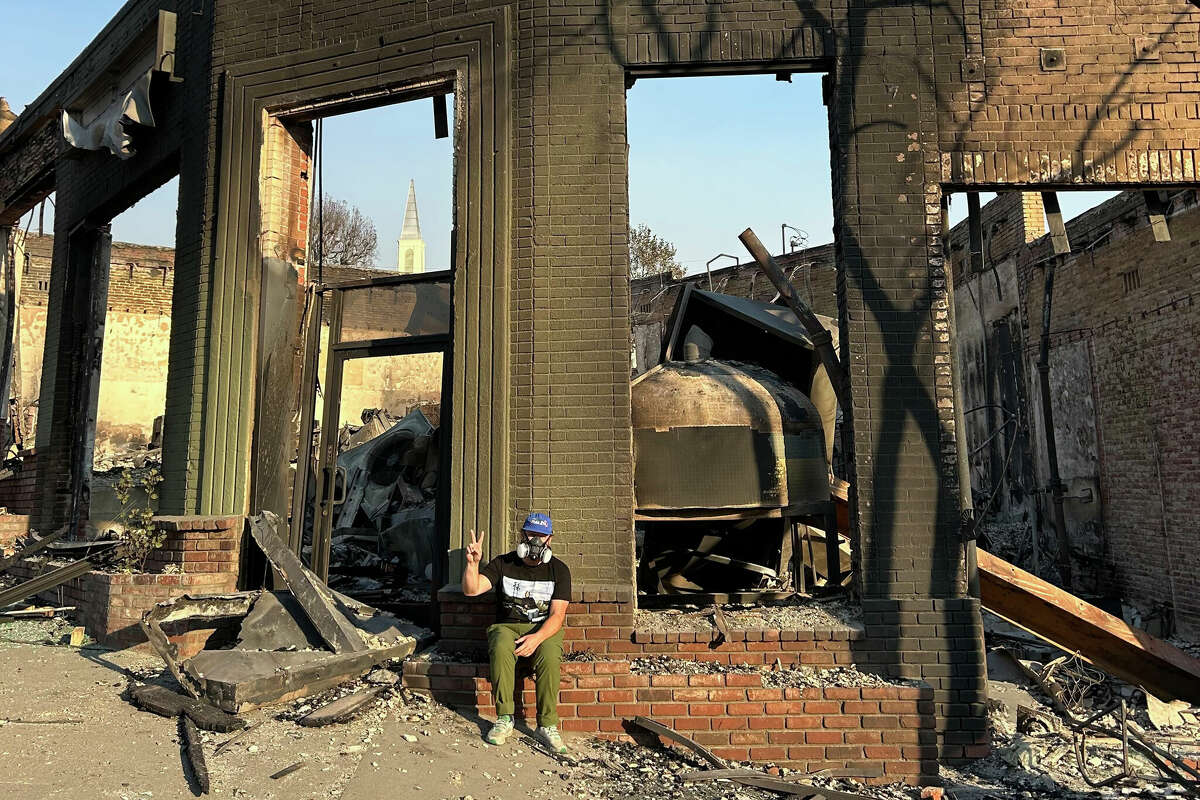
<point>341,710</point>
<point>194,748</point>
<point>283,773</point>
<point>289,644</point>
<point>673,778</point>
<point>1065,729</point>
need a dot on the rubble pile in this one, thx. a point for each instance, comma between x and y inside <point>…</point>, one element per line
<point>1042,746</point>
<point>791,614</point>
<point>131,458</point>
<point>773,676</point>
<point>384,532</point>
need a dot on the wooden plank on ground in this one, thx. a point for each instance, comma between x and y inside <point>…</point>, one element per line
<point>1077,626</point>
<point>342,709</point>
<point>162,701</point>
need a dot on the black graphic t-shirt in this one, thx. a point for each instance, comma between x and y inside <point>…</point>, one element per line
<point>523,593</point>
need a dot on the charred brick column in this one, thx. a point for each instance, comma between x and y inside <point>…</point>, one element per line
<point>572,454</point>
<point>895,339</point>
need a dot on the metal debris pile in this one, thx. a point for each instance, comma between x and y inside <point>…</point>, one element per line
<point>383,536</point>
<point>1064,729</point>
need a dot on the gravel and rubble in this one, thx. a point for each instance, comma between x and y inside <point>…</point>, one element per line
<point>773,676</point>
<point>1034,755</point>
<point>792,614</point>
<point>624,771</point>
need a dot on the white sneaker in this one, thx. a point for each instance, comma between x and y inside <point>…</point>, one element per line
<point>500,731</point>
<point>552,738</point>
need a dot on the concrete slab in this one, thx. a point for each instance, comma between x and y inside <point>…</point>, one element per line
<point>277,622</point>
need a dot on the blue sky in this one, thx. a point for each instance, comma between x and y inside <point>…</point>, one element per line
<point>707,156</point>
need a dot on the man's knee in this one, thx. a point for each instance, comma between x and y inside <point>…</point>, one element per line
<point>501,636</point>
<point>549,650</point>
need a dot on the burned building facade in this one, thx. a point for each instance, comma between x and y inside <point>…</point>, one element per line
<point>924,100</point>
<point>1122,352</point>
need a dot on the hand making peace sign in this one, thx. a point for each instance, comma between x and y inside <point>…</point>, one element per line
<point>475,547</point>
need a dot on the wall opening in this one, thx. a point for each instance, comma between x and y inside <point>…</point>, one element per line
<point>368,507</point>
<point>732,485</point>
<point>1119,335</point>
<point>127,449</point>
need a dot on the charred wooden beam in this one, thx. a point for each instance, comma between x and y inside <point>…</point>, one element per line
<point>194,748</point>
<point>1077,626</point>
<point>1054,220</point>
<point>441,123</point>
<point>341,710</point>
<point>162,701</point>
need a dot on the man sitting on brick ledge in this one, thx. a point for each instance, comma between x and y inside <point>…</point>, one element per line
<point>533,591</point>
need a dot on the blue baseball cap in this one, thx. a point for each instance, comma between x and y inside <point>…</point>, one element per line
<point>538,523</point>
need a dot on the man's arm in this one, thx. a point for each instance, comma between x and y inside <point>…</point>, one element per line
<point>529,642</point>
<point>472,582</point>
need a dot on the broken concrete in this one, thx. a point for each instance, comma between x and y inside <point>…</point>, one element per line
<point>308,590</point>
<point>280,653</point>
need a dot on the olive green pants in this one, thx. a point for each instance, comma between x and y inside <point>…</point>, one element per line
<point>546,661</point>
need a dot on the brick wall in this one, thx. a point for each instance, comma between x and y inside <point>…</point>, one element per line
<point>1131,305</point>
<point>884,733</point>
<point>968,96</point>
<point>602,621</point>
<point>12,528</point>
<point>110,606</point>
<point>1124,349</point>
<point>137,331</point>
<point>18,493</point>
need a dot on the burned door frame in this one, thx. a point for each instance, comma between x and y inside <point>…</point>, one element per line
<point>338,353</point>
<point>473,55</point>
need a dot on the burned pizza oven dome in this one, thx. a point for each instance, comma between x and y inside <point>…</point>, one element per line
<point>721,434</point>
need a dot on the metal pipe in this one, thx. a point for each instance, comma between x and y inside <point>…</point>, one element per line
<point>821,338</point>
<point>1162,508</point>
<point>714,258</point>
<point>1056,487</point>
<point>799,239</point>
<point>45,582</point>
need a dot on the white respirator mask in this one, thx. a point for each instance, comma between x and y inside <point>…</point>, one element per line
<point>536,551</point>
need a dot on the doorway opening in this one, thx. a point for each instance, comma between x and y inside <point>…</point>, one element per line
<point>369,510</point>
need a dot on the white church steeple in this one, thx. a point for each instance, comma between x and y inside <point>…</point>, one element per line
<point>411,247</point>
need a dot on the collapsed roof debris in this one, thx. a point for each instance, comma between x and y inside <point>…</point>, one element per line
<point>384,532</point>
